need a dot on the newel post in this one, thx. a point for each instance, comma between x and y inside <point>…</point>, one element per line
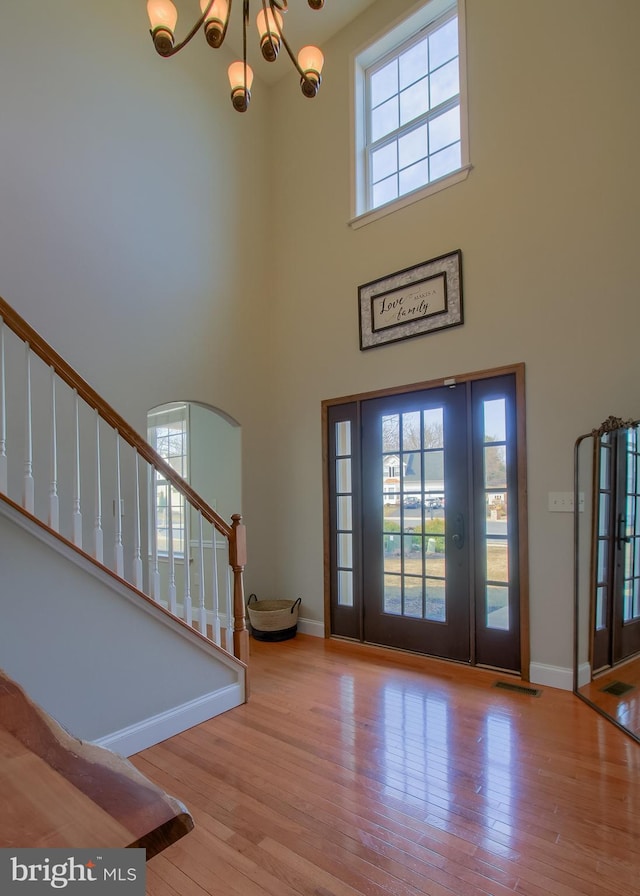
<point>238,560</point>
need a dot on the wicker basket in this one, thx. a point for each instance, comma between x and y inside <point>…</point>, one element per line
<point>273,620</point>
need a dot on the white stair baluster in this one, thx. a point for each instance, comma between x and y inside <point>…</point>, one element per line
<point>154,571</point>
<point>187,609</point>
<point>3,416</point>
<point>215,589</point>
<point>54,504</point>
<point>229,628</point>
<point>98,535</point>
<point>173,606</point>
<point>118,550</point>
<point>77,515</point>
<point>202,614</point>
<point>28,499</point>
<point>137,551</point>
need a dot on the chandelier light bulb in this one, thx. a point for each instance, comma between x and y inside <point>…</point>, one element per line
<point>269,28</point>
<point>215,22</point>
<point>163,17</point>
<point>310,60</point>
<point>240,92</point>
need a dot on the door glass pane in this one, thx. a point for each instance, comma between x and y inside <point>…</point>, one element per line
<point>345,588</point>
<point>498,607</point>
<point>411,431</point>
<point>436,607</point>
<point>413,597</point>
<point>392,601</point>
<point>345,518</point>
<point>343,438</point>
<point>345,549</point>
<point>433,428</point>
<point>601,608</point>
<point>343,475</point>
<point>498,561</point>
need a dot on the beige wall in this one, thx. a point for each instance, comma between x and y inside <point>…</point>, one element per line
<point>138,212</point>
<point>124,235</point>
<point>547,223</point>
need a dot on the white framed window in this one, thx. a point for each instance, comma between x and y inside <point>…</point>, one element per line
<point>410,111</point>
<point>168,432</point>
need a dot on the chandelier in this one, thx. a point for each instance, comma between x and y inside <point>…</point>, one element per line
<point>215,19</point>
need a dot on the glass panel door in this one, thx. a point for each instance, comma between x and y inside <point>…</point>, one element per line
<point>416,572</point>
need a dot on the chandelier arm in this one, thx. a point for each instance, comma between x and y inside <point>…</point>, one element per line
<point>198,25</point>
<point>282,5</point>
<point>278,30</point>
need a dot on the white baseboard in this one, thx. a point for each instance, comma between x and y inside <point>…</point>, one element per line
<point>551,676</point>
<point>151,731</point>
<point>584,674</point>
<point>311,627</point>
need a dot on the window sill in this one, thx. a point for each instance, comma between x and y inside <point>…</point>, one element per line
<point>409,198</point>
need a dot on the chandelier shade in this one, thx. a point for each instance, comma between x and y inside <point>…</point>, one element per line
<point>214,21</point>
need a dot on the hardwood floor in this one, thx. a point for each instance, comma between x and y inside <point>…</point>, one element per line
<point>354,771</point>
<point>623,707</point>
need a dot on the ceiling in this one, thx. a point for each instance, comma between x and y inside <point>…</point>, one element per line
<point>302,26</point>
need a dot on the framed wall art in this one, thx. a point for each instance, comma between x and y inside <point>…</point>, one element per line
<point>417,300</point>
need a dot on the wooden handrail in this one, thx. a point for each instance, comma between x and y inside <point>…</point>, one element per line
<point>66,373</point>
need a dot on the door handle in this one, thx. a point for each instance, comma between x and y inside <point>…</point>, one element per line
<point>458,537</point>
<point>621,538</point>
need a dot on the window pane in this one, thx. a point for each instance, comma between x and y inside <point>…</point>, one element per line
<point>495,466</point>
<point>445,162</point>
<point>411,430</point>
<point>391,600</point>
<point>412,147</point>
<point>384,161</point>
<point>343,437</point>
<point>433,428</point>
<point>391,432</point>
<point>444,130</point>
<point>498,561</point>
<point>414,177</point>
<point>443,44</point>
<point>436,608</point>
<point>414,101</point>
<point>413,597</point>
<point>385,191</point>
<point>495,426</point>
<point>444,83</point>
<point>498,607</point>
<point>414,64</point>
<point>601,607</point>
<point>384,119</point>
<point>344,513</point>
<point>343,475</point>
<point>384,83</point>
<point>345,549</point>
<point>345,588</point>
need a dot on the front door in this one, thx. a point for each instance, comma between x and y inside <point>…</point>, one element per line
<point>423,521</point>
<point>415,522</point>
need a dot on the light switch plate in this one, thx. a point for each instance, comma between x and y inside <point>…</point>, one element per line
<point>562,502</point>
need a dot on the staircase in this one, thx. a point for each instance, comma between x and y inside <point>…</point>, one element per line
<point>122,643</point>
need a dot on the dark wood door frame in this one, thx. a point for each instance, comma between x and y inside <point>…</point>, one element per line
<point>518,371</point>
